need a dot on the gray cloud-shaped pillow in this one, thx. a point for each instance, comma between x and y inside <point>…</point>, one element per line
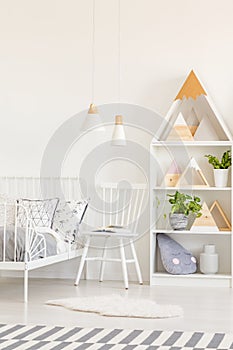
<point>175,258</point>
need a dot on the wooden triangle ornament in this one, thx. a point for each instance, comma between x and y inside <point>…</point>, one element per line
<point>180,130</point>
<point>191,88</point>
<point>220,217</point>
<point>206,222</point>
<point>172,175</point>
<point>193,176</point>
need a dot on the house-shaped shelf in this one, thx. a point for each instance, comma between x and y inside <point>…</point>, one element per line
<point>173,175</point>
<point>192,116</point>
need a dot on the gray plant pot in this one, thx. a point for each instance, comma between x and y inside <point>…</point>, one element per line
<point>178,222</point>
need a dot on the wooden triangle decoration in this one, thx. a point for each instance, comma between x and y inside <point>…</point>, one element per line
<point>192,121</point>
<point>180,130</point>
<point>191,88</point>
<point>205,222</point>
<point>172,175</point>
<point>193,176</point>
<point>220,217</point>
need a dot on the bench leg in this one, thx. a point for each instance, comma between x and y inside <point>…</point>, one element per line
<point>123,264</point>
<point>102,266</point>
<point>137,267</point>
<point>82,262</point>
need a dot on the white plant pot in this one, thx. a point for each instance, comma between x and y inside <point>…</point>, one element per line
<point>221,177</point>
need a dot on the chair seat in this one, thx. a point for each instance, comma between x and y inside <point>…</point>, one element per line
<point>115,234</point>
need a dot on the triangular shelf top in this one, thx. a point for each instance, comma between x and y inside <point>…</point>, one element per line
<point>199,114</point>
<point>191,88</point>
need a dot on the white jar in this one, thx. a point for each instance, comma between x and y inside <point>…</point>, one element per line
<point>209,260</point>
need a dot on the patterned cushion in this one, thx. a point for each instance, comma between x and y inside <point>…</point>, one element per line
<point>10,210</point>
<point>67,218</point>
<point>40,211</point>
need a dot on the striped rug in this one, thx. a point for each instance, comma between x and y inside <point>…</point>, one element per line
<point>22,337</point>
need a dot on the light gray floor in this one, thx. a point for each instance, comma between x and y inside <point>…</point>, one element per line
<point>206,309</point>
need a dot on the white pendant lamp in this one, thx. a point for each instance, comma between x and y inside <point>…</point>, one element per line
<point>93,119</point>
<point>118,136</point>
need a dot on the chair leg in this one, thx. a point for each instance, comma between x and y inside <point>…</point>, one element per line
<point>138,270</point>
<point>123,263</point>
<point>82,262</point>
<point>102,266</point>
<point>25,286</point>
<point>85,270</point>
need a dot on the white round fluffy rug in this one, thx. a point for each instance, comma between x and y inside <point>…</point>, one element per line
<point>119,306</point>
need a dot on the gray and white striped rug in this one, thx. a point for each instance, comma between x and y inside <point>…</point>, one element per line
<point>22,337</point>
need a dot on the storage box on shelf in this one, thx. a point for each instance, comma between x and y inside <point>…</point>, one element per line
<point>197,179</point>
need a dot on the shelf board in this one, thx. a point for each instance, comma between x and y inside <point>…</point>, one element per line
<point>187,232</point>
<point>191,143</point>
<point>192,275</point>
<point>195,188</point>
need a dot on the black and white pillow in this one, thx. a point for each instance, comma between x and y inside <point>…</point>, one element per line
<point>40,211</point>
<point>68,216</point>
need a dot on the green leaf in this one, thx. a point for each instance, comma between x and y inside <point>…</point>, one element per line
<point>225,162</point>
<point>185,203</point>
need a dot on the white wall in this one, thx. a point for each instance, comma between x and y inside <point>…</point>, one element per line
<point>45,65</point>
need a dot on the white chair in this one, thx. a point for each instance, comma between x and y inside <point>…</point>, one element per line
<point>121,207</point>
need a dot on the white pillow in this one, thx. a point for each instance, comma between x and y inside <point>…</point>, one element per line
<point>67,218</point>
<point>10,210</point>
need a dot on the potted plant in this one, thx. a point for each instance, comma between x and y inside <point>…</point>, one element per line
<point>183,205</point>
<point>221,168</point>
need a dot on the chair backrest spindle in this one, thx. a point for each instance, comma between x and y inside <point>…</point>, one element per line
<point>123,206</point>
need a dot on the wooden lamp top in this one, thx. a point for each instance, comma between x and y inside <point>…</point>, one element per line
<point>118,120</point>
<point>92,109</point>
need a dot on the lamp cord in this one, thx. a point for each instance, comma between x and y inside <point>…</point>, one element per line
<point>93,53</point>
<point>119,50</point>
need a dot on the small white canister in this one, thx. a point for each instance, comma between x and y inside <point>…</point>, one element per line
<point>209,260</point>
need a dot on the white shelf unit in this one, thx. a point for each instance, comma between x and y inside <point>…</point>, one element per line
<point>192,128</point>
<point>197,279</point>
<point>188,188</point>
<point>190,143</point>
<point>188,232</point>
<point>162,154</point>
